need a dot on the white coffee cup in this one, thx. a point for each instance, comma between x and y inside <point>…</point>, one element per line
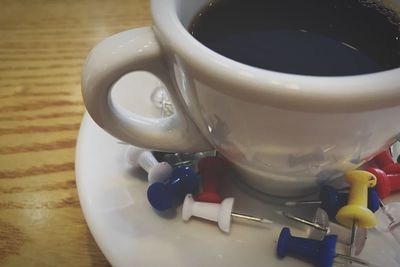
<point>284,133</point>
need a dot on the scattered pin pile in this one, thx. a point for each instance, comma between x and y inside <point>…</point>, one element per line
<point>343,215</point>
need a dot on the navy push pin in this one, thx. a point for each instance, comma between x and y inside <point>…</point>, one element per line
<point>321,226</point>
<point>162,196</point>
<point>330,200</point>
<point>373,200</point>
<point>321,253</point>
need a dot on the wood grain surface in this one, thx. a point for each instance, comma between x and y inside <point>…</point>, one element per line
<point>43,44</point>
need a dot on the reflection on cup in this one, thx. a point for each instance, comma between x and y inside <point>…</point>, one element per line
<point>273,126</point>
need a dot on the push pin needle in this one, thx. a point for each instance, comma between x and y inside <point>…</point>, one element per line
<point>353,237</point>
<point>306,222</point>
<point>250,218</point>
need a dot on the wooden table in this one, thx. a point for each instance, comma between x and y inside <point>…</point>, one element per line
<point>43,44</point>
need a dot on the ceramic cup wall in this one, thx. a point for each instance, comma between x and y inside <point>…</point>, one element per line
<point>284,133</point>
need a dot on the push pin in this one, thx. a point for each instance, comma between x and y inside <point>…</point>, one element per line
<point>321,253</point>
<point>355,213</point>
<point>212,171</point>
<point>386,183</point>
<point>183,181</point>
<point>373,199</point>
<point>321,226</point>
<point>156,171</point>
<point>217,212</point>
<point>330,200</point>
<point>385,162</point>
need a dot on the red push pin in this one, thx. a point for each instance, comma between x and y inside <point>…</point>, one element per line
<point>385,162</point>
<point>386,183</point>
<point>212,171</point>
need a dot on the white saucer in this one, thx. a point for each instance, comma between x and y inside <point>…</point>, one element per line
<point>130,233</point>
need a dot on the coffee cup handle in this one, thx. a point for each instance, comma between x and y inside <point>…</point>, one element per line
<point>136,50</point>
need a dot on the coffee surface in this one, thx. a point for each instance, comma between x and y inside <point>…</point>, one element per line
<point>308,37</point>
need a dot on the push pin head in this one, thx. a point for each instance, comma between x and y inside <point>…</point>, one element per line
<point>212,171</point>
<point>157,171</point>
<point>383,159</point>
<point>320,253</point>
<point>217,212</point>
<point>356,209</point>
<point>392,169</point>
<point>220,213</point>
<point>385,162</point>
<point>386,183</point>
<point>183,181</point>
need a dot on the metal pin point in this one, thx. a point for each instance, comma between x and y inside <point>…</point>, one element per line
<point>250,218</point>
<point>306,222</point>
<point>352,238</point>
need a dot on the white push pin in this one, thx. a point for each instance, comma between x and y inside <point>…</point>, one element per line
<point>157,171</point>
<point>217,212</point>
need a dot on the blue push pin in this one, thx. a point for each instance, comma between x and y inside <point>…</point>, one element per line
<point>183,181</point>
<point>373,200</point>
<point>330,200</point>
<point>321,253</point>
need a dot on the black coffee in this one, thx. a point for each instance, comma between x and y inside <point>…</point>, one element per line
<point>309,37</point>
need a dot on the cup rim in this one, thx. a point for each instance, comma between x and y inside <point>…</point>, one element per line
<point>351,93</point>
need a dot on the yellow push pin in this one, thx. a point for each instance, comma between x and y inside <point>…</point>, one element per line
<point>356,212</point>
<point>357,204</point>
